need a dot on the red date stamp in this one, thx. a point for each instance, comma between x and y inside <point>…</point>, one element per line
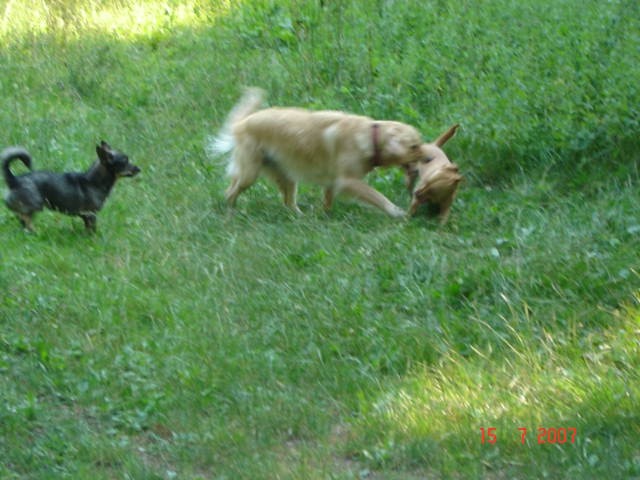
<point>556,436</point>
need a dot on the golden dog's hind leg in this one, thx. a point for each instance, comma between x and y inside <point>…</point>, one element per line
<point>245,167</point>
<point>238,185</point>
<point>26,221</point>
<point>287,187</point>
<point>232,192</point>
<point>360,190</point>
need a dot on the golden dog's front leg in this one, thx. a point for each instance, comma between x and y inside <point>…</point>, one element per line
<point>360,190</point>
<point>287,187</point>
<point>328,197</point>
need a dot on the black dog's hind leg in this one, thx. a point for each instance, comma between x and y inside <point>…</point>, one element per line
<point>25,221</point>
<point>90,220</point>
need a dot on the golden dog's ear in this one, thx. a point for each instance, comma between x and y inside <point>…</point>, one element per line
<point>444,138</point>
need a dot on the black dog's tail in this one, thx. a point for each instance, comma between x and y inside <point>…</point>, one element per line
<point>7,156</point>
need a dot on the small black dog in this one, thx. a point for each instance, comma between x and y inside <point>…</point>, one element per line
<point>73,193</point>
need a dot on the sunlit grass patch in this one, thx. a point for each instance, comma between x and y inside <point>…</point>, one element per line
<point>439,417</point>
<point>122,20</point>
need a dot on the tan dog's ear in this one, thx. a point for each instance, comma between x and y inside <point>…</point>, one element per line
<point>453,168</point>
<point>444,138</point>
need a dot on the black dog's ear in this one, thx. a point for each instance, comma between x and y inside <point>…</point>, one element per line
<point>104,153</point>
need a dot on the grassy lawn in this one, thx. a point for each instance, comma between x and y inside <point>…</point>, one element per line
<point>181,342</point>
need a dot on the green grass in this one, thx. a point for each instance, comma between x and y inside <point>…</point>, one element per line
<point>182,342</point>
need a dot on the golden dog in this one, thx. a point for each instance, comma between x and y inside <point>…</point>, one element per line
<point>332,149</point>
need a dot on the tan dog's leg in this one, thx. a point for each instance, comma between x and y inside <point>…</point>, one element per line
<point>362,191</point>
<point>445,208</point>
<point>413,207</point>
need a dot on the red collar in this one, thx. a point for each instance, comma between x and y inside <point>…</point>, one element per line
<point>376,160</point>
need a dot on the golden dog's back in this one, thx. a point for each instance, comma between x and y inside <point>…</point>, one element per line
<point>311,145</point>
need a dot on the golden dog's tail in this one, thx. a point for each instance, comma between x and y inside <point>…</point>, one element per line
<point>224,142</point>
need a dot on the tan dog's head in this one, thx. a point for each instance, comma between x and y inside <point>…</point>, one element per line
<point>433,179</point>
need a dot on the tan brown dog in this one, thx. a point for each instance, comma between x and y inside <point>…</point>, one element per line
<point>332,149</point>
<point>435,178</point>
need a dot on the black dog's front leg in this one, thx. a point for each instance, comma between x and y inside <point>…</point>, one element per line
<point>90,221</point>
